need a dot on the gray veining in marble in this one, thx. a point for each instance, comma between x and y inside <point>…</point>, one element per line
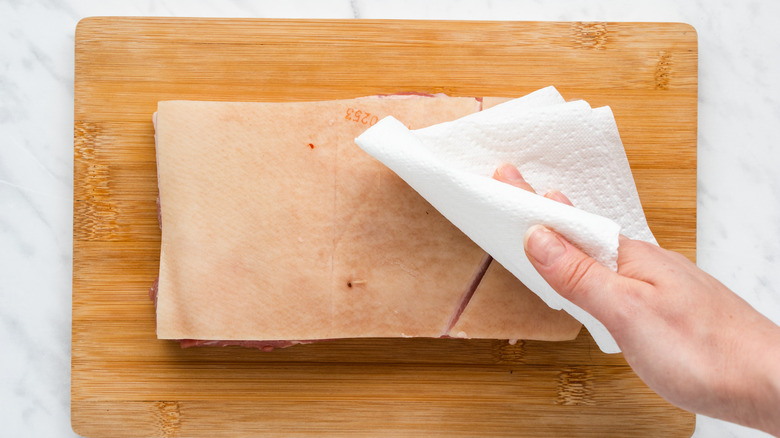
<point>739,160</point>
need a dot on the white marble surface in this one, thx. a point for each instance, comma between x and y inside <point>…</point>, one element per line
<point>739,160</point>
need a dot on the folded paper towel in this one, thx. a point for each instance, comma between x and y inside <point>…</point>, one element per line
<point>566,146</point>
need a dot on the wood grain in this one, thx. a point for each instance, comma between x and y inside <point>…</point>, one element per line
<point>125,382</point>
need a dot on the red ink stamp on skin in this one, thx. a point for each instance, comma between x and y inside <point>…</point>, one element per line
<point>362,117</point>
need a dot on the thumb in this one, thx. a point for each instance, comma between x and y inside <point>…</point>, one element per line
<point>572,273</point>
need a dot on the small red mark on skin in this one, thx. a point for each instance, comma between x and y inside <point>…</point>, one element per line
<point>311,146</point>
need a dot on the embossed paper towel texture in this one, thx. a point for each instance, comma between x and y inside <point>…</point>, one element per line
<point>566,146</point>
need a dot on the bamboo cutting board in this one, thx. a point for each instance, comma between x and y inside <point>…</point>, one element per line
<point>125,382</point>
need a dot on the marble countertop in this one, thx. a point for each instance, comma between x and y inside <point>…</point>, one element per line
<point>738,160</point>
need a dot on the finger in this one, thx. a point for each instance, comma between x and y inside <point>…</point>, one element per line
<point>575,275</point>
<point>509,174</point>
<point>558,196</point>
<point>647,262</point>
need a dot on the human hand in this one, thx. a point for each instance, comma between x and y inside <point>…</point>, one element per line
<point>686,335</point>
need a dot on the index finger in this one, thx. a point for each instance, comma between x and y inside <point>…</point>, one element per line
<point>509,174</point>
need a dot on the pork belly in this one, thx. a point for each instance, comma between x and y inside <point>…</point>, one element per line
<point>277,227</point>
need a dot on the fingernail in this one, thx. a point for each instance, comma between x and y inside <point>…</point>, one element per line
<point>509,172</point>
<point>556,196</point>
<point>543,245</point>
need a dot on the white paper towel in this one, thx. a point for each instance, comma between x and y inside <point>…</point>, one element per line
<point>566,146</point>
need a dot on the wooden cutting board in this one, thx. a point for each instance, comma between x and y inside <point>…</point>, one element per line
<point>125,382</point>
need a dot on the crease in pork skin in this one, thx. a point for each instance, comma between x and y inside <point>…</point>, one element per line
<point>468,293</point>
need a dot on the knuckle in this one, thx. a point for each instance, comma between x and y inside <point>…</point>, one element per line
<point>637,246</point>
<point>576,279</point>
<point>679,258</point>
